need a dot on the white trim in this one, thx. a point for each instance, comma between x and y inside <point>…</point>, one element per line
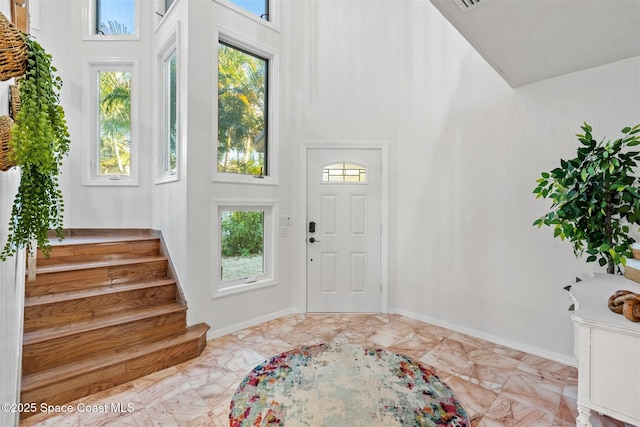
<point>536,351</point>
<point>89,24</point>
<point>383,146</point>
<point>91,126</point>
<point>169,45</point>
<point>255,321</point>
<point>270,250</point>
<point>273,115</point>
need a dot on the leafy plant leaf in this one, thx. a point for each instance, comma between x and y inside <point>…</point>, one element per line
<point>592,194</point>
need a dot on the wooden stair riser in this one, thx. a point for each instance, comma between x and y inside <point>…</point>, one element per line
<point>64,281</point>
<point>63,254</point>
<point>105,341</point>
<point>58,313</point>
<point>63,391</point>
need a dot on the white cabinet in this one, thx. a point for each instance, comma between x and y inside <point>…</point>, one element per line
<point>607,351</point>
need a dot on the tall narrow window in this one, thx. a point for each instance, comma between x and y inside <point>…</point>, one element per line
<point>114,120</point>
<point>242,112</point>
<point>110,124</point>
<point>171,114</point>
<point>115,17</point>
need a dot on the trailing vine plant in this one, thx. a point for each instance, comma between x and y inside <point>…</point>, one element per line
<point>40,139</point>
<point>596,197</point>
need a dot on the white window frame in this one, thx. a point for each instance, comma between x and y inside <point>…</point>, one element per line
<point>273,152</point>
<point>169,46</point>
<point>91,126</point>
<point>269,278</point>
<point>89,9</point>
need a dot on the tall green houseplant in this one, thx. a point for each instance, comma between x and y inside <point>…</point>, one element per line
<point>40,139</point>
<point>596,197</point>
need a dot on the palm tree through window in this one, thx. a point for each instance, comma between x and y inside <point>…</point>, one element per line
<point>115,123</point>
<point>242,112</point>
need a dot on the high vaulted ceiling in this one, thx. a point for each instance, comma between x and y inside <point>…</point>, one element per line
<point>530,40</point>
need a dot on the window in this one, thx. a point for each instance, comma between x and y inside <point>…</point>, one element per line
<point>244,245</point>
<point>110,19</point>
<point>167,114</point>
<point>257,7</point>
<point>171,114</point>
<point>111,134</point>
<point>242,242</point>
<point>344,172</point>
<point>115,17</point>
<point>168,125</point>
<point>243,145</point>
<point>114,118</point>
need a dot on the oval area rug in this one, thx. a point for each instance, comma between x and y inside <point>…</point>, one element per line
<point>344,385</point>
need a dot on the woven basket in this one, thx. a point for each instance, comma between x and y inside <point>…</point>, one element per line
<point>5,148</point>
<point>14,101</point>
<point>13,50</point>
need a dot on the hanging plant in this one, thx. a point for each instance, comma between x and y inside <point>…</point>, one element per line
<point>596,198</point>
<point>39,140</point>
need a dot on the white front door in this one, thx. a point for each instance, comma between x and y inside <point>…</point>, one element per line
<point>344,230</point>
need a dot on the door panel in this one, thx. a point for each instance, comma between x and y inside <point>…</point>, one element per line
<point>343,254</point>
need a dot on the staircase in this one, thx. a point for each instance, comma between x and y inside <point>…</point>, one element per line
<point>102,311</point>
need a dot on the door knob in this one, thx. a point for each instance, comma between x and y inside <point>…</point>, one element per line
<point>313,240</point>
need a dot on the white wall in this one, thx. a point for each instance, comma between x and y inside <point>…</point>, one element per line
<point>12,274</point>
<point>189,231</point>
<point>465,152</point>
<point>11,282</point>
<point>61,35</point>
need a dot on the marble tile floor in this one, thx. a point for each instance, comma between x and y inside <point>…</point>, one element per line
<point>498,386</point>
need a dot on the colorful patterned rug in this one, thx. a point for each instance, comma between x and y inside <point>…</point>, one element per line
<point>341,385</point>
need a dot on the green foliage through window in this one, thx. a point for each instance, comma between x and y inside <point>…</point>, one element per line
<point>115,123</point>
<point>242,244</point>
<point>171,113</point>
<point>242,233</point>
<point>242,112</point>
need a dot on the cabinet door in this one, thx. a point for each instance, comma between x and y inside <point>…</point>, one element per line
<point>615,372</point>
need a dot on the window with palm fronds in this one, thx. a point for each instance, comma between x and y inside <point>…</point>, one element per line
<point>242,112</point>
<point>115,123</point>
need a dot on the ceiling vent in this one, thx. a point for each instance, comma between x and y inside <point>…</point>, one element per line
<point>466,5</point>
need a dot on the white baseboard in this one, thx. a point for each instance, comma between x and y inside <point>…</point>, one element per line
<point>215,333</point>
<point>556,357</point>
<point>536,351</point>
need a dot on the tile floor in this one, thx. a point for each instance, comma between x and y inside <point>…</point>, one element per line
<point>498,386</point>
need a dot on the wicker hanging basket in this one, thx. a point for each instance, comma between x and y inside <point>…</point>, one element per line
<point>6,123</point>
<point>13,50</point>
<point>14,101</point>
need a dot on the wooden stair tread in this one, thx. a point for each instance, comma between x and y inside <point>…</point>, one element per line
<point>115,319</point>
<point>38,300</point>
<point>96,264</point>
<point>99,362</point>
